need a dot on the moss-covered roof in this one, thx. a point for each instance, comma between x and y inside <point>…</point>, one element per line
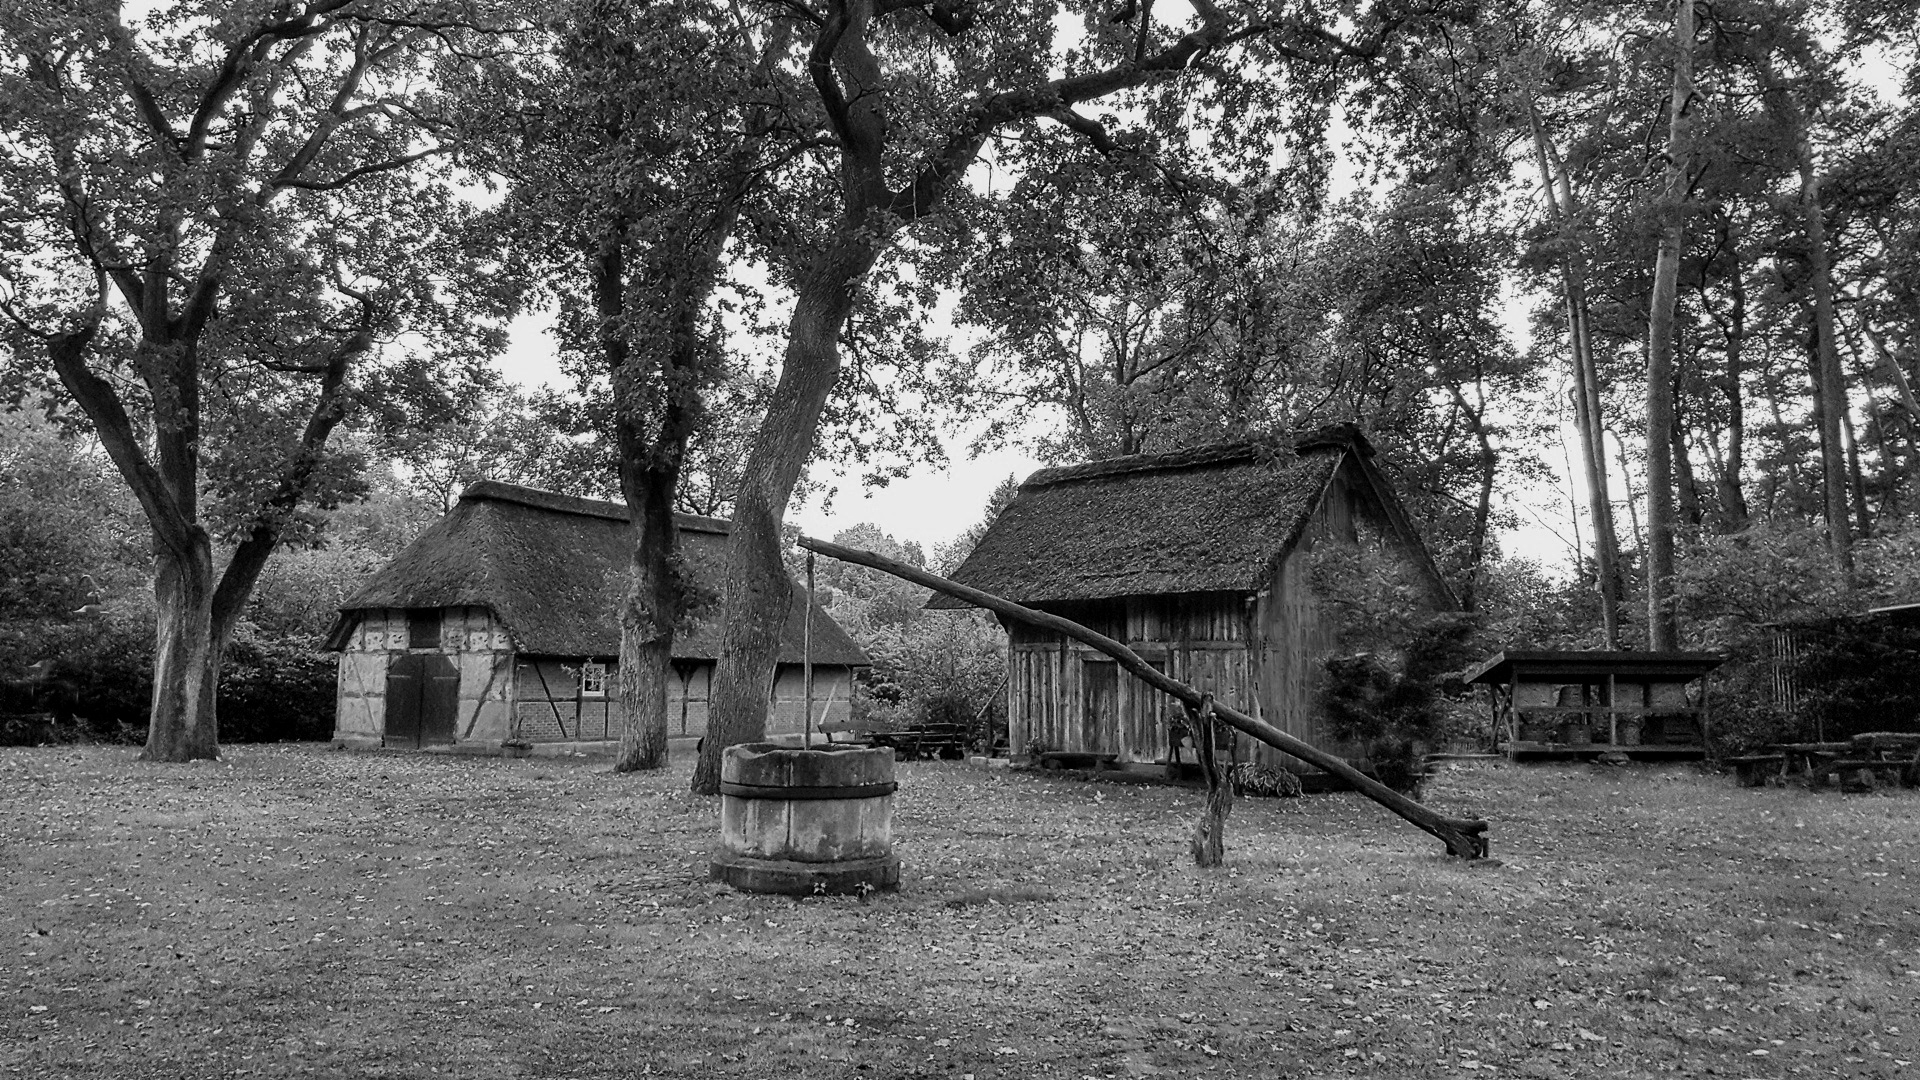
<point>1211,519</point>
<point>553,568</point>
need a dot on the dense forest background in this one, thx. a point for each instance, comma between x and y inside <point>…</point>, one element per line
<point>1649,270</point>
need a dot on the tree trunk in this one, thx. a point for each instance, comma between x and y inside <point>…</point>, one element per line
<point>759,594</point>
<point>1593,442</point>
<point>1895,373</point>
<point>1856,483</point>
<point>1733,496</point>
<point>1588,416</point>
<point>182,722</point>
<point>1663,632</point>
<point>1633,497</point>
<point>1686,484</point>
<point>1208,843</point>
<point>1489,463</point>
<point>1830,395</point>
<point>647,618</point>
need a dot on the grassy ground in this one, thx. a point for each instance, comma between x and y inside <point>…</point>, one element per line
<point>291,911</point>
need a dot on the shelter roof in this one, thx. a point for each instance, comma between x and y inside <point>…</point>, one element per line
<point>1210,519</point>
<point>1543,665</point>
<point>554,569</point>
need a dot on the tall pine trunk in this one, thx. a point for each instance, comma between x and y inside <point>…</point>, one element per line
<point>1830,396</point>
<point>1733,496</point>
<point>1487,463</point>
<point>1663,632</point>
<point>1588,418</point>
<point>759,594</point>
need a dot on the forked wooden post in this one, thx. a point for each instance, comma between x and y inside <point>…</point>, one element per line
<point>1463,837</point>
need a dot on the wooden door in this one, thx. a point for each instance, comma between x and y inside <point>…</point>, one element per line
<point>404,677</point>
<point>439,699</point>
<point>423,694</point>
<point>1099,705</point>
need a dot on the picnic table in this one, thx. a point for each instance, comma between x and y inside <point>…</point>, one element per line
<point>1862,761</point>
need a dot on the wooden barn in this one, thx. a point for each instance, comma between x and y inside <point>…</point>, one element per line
<point>497,629</point>
<point>1203,562</point>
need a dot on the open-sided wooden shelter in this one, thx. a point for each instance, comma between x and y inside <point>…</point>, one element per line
<point>1200,561</point>
<point>498,627</point>
<point>1582,704</point>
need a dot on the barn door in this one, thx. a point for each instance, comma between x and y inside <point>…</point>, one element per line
<point>423,691</point>
<point>1100,705</point>
<point>404,677</point>
<point>439,699</point>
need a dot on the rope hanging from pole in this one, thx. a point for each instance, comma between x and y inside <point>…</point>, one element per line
<point>806,659</point>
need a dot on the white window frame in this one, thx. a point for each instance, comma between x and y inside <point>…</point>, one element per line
<point>593,679</point>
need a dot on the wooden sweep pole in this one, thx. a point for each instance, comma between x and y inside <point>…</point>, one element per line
<point>1463,837</point>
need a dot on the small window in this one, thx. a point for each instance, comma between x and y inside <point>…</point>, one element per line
<point>423,628</point>
<point>593,679</point>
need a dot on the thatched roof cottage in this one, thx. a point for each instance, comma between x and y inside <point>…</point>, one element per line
<point>497,628</point>
<point>1201,561</point>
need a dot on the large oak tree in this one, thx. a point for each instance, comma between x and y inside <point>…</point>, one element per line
<point>898,102</point>
<point>213,230</point>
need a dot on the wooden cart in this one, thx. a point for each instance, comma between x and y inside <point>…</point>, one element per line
<point>1559,704</point>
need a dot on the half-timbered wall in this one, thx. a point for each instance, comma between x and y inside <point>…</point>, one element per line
<point>553,704</point>
<point>832,699</point>
<point>554,707</point>
<point>469,636</point>
<point>505,698</point>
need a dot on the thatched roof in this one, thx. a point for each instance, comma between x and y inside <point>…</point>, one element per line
<point>553,568</point>
<point>1212,519</point>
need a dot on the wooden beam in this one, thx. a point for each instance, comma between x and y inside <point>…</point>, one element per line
<point>1463,837</point>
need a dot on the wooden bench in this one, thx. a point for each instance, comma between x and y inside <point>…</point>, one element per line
<point>856,733</point>
<point>926,740</point>
<point>1864,773</point>
<point>1754,770</point>
<point>1074,759</point>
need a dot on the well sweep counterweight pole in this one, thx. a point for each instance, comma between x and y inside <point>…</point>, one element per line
<point>1463,837</point>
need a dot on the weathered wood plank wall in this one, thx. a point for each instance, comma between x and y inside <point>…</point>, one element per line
<point>1197,638</point>
<point>1260,651</point>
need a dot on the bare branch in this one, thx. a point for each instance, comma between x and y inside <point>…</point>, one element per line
<point>329,408</point>
<point>942,166</point>
<point>112,426</point>
<point>1094,131</point>
<point>240,59</point>
<point>353,174</point>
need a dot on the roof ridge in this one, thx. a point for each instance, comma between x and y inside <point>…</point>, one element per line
<point>543,499</point>
<point>1193,457</point>
<point>1331,436</point>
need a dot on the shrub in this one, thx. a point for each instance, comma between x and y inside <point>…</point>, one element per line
<point>1387,682</point>
<point>92,681</point>
<point>88,680</point>
<point>276,690</point>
